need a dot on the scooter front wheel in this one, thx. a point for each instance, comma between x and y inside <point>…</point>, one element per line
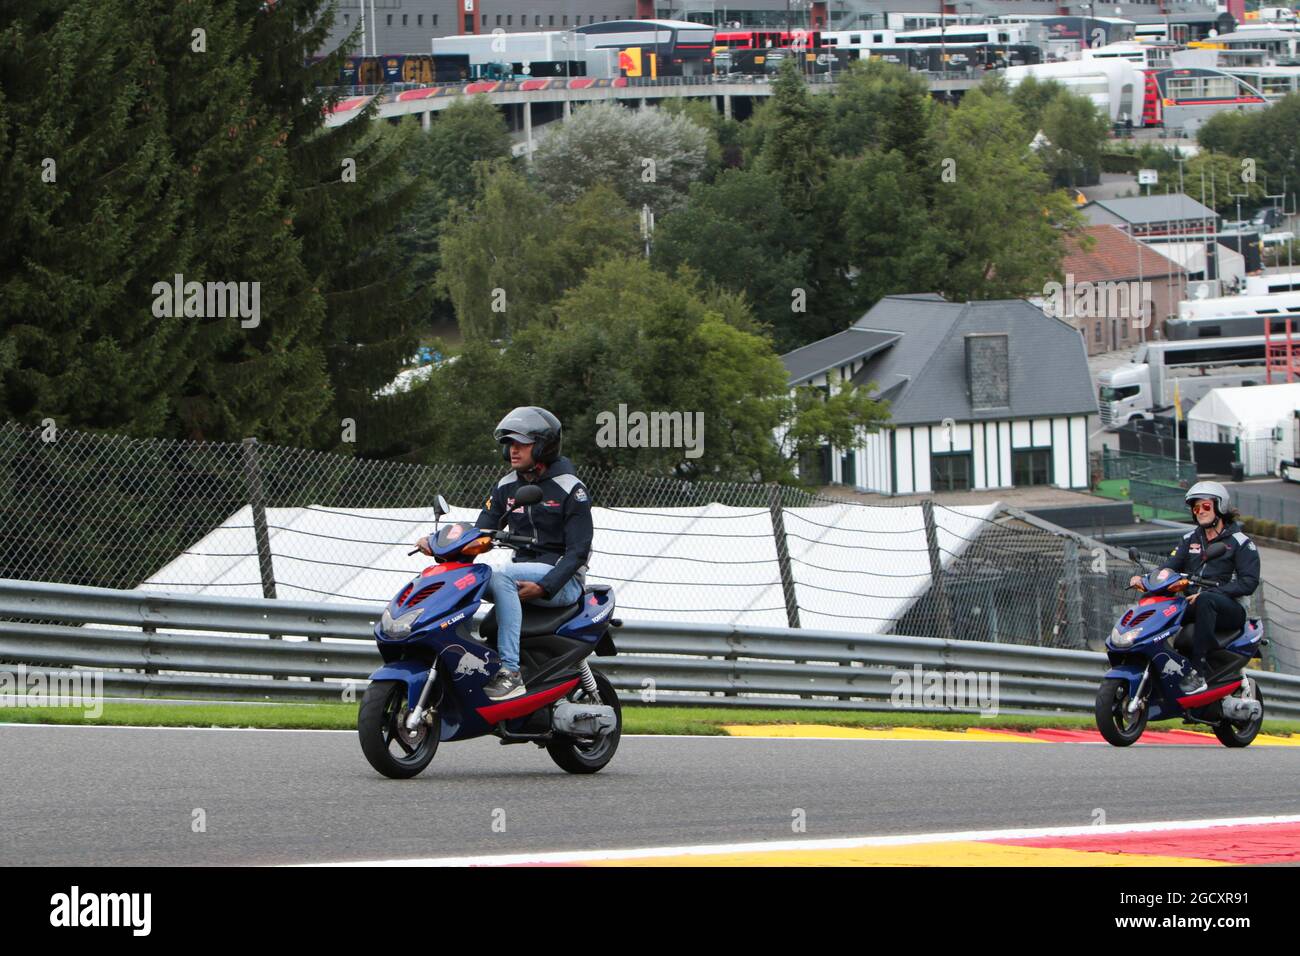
<point>1117,725</point>
<point>381,724</point>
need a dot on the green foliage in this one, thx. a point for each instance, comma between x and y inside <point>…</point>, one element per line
<point>1002,226</point>
<point>510,256</point>
<point>841,416</point>
<point>444,161</point>
<point>879,106</point>
<point>202,157</point>
<point>744,213</point>
<point>649,157</point>
<point>630,335</point>
<point>1217,181</point>
<point>1269,138</point>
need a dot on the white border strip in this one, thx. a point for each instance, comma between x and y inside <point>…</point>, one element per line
<point>582,856</point>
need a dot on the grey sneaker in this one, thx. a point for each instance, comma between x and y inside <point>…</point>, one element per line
<point>505,685</point>
<point>1193,683</point>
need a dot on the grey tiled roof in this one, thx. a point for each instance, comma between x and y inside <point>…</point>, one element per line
<point>924,372</point>
<point>842,348</point>
<point>1158,207</point>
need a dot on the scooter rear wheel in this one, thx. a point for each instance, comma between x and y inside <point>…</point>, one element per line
<point>1113,721</point>
<point>381,725</point>
<point>589,757</point>
<point>1241,733</point>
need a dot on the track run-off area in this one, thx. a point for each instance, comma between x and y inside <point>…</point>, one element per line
<point>95,795</point>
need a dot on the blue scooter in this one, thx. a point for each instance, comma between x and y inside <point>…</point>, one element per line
<point>430,688</point>
<point>1143,681</point>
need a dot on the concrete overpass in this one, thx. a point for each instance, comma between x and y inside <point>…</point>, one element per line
<point>554,97</point>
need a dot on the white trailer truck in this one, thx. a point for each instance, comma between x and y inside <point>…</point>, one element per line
<point>1146,385</point>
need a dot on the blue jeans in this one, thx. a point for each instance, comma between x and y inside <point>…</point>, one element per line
<point>510,612</point>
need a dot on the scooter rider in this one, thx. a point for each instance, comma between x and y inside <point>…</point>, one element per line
<point>1236,573</point>
<point>552,574</point>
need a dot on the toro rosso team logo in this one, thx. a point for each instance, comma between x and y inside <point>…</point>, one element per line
<point>469,664</point>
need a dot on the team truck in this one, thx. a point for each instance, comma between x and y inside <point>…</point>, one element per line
<point>1146,385</point>
<point>1290,470</point>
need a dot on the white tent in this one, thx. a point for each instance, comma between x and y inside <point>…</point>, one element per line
<point>1257,417</point>
<point>854,568</point>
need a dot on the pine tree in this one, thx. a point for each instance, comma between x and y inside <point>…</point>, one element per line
<point>92,204</point>
<point>347,228</point>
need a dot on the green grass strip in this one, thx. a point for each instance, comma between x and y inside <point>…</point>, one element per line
<point>700,721</point>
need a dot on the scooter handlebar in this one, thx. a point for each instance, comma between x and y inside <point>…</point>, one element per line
<point>513,540</point>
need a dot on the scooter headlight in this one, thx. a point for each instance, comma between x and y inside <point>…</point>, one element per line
<point>399,628</point>
<point>1124,638</point>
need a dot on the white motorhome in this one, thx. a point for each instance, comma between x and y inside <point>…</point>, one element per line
<point>1276,14</point>
<point>1272,283</point>
<point>1114,85</point>
<point>1147,384</point>
<point>1233,306</point>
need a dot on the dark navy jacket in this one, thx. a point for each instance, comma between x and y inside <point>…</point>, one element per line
<point>561,522</point>
<point>1236,572</point>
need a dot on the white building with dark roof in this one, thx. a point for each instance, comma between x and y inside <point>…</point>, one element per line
<point>982,395</point>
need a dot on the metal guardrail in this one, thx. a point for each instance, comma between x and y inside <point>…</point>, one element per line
<point>719,665</point>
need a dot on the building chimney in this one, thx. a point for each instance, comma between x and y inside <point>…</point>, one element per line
<point>988,370</point>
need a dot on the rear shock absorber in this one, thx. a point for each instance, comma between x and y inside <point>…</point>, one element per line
<point>588,680</point>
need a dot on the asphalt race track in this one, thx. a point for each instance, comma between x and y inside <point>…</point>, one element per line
<point>103,795</point>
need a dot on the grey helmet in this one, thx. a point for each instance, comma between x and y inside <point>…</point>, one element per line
<point>1212,490</point>
<point>530,425</point>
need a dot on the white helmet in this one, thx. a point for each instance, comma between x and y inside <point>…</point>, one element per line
<point>1212,490</point>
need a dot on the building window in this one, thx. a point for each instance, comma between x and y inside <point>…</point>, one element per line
<point>419,19</point>
<point>537,20</point>
<point>345,19</point>
<point>484,20</point>
<point>550,20</point>
<point>950,471</point>
<point>1031,466</point>
<point>509,17</point>
<point>498,19</point>
<point>566,20</point>
<point>404,19</point>
<point>435,19</point>
<point>390,20</point>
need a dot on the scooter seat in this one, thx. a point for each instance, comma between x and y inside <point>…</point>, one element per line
<point>538,621</point>
<point>1222,637</point>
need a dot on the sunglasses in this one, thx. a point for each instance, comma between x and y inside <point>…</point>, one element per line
<point>1202,504</point>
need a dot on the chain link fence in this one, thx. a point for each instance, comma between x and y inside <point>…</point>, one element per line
<point>1131,465</point>
<point>1267,508</point>
<point>243,519</point>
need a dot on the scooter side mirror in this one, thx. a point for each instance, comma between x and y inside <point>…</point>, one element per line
<point>528,495</point>
<point>1134,555</point>
<point>1216,550</point>
<point>440,506</point>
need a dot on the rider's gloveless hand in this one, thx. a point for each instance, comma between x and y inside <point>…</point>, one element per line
<point>423,545</point>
